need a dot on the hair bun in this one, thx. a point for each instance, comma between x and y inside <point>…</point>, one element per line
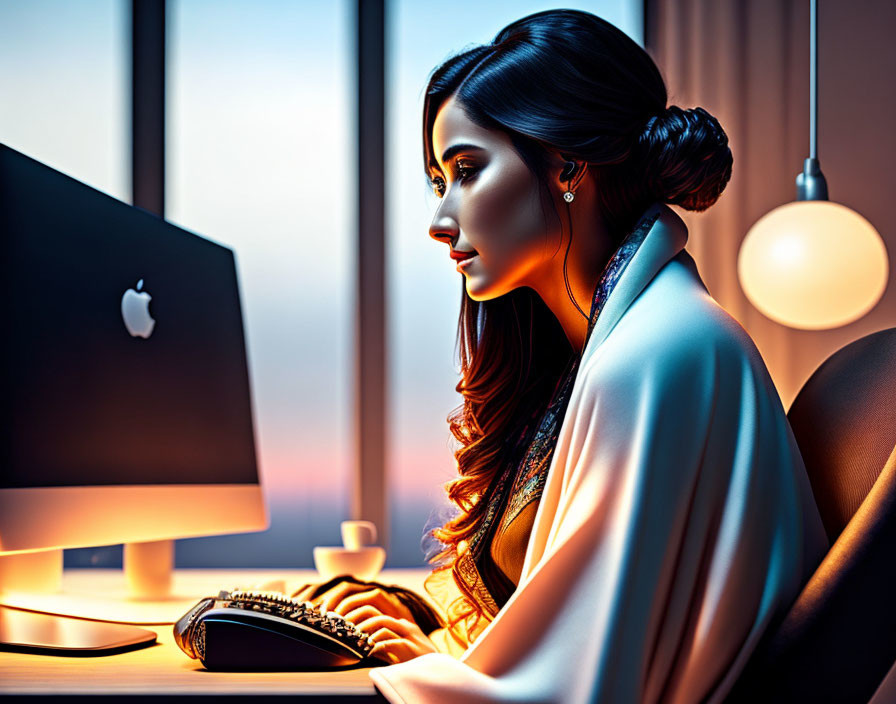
<point>688,161</point>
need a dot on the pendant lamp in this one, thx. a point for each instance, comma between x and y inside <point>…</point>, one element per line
<point>813,264</point>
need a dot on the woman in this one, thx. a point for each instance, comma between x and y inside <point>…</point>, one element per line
<point>633,509</point>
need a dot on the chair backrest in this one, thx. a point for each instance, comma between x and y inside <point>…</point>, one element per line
<point>844,421</point>
<point>837,641</point>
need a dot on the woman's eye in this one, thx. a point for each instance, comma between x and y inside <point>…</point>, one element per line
<point>463,173</point>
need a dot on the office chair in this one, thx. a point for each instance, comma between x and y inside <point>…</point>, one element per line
<point>838,640</point>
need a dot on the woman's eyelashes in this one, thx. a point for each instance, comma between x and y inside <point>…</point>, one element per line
<point>464,172</point>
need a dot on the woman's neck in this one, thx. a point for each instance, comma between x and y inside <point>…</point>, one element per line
<point>589,253</point>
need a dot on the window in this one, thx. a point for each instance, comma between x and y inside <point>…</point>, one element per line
<point>66,87</point>
<point>260,157</point>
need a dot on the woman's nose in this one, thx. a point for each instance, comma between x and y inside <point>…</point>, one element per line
<point>442,237</point>
<point>444,229</point>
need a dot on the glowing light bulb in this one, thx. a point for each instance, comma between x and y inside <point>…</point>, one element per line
<point>813,264</point>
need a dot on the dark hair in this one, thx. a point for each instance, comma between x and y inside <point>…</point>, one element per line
<point>571,82</point>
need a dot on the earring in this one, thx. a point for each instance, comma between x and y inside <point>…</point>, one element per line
<point>569,169</point>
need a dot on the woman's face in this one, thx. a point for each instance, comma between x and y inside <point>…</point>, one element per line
<point>490,203</point>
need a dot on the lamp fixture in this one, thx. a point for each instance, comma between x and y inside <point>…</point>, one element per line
<point>813,264</point>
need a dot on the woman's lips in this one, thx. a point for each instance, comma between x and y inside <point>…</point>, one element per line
<point>459,255</point>
<point>464,262</point>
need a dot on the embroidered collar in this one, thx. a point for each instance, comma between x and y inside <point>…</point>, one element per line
<point>659,235</point>
<point>617,264</point>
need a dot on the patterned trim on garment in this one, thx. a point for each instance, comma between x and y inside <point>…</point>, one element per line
<point>499,489</point>
<point>616,266</point>
<point>492,509</point>
<point>471,584</point>
<point>531,478</point>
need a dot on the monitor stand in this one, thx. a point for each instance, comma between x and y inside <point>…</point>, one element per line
<point>148,568</point>
<point>33,608</point>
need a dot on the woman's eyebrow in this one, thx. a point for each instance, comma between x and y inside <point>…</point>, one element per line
<point>454,149</point>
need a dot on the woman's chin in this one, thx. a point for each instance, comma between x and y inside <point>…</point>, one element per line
<point>480,292</point>
<point>473,291</point>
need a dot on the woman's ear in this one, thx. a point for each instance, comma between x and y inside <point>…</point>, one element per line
<point>570,174</point>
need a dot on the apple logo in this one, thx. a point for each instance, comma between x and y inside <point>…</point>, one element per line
<point>135,311</point>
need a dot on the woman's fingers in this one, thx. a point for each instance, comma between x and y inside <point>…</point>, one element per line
<point>385,602</point>
<point>384,634</point>
<point>396,639</point>
<point>333,594</point>
<point>396,650</point>
<point>304,593</point>
<point>347,599</point>
<point>331,598</point>
<point>401,626</point>
<point>354,599</point>
<point>361,613</point>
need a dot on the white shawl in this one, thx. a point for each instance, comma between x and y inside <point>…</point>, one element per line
<point>676,522</point>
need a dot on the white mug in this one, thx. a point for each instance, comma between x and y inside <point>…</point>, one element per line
<point>358,555</point>
<point>358,534</point>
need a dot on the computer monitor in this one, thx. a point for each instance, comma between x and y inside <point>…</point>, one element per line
<point>127,414</point>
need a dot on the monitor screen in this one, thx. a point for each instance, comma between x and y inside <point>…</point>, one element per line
<point>124,361</point>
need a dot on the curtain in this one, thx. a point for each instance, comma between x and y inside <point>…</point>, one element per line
<point>747,63</point>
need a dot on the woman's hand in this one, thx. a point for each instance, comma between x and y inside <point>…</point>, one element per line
<point>396,639</point>
<point>381,615</point>
<point>348,599</point>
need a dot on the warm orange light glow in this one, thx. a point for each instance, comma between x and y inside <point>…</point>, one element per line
<point>813,265</point>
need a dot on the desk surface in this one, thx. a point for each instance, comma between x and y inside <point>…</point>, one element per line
<point>164,669</point>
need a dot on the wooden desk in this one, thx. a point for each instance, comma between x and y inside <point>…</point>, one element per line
<point>163,669</point>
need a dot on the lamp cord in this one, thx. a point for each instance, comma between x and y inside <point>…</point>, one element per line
<point>813,79</point>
